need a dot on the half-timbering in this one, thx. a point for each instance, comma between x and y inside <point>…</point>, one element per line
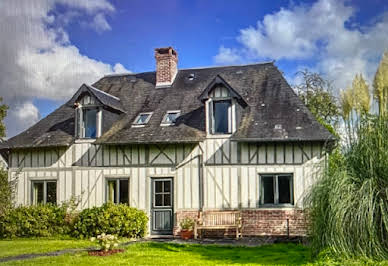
<point>175,142</point>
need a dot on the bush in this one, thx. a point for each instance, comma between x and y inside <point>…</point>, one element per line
<point>119,220</point>
<point>106,242</point>
<point>5,192</point>
<point>33,221</point>
<point>349,205</point>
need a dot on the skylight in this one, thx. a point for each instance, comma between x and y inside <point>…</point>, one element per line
<point>142,119</point>
<point>170,117</point>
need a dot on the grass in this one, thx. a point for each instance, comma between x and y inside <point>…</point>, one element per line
<point>29,246</point>
<point>151,253</point>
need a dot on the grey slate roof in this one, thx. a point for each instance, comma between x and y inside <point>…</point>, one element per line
<point>273,111</point>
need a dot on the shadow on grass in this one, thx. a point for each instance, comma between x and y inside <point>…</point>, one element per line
<point>267,254</point>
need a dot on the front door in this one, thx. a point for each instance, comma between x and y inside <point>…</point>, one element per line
<point>162,206</point>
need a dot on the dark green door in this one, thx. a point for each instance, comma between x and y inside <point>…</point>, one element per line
<point>162,206</point>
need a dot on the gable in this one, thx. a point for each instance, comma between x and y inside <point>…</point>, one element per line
<point>218,87</point>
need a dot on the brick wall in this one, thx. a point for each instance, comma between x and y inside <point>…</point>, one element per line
<point>166,65</point>
<point>259,223</point>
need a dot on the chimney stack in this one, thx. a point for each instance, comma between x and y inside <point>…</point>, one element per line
<point>166,66</point>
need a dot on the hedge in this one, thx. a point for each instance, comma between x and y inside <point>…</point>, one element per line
<point>51,220</point>
<point>33,221</point>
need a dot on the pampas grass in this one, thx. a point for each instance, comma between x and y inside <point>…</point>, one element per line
<point>348,206</point>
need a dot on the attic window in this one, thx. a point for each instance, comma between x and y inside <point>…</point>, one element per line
<point>170,117</point>
<point>142,119</point>
<point>88,118</point>
<point>221,117</point>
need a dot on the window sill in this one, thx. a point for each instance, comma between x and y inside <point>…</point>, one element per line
<point>277,206</point>
<point>218,136</point>
<point>142,125</point>
<point>84,141</point>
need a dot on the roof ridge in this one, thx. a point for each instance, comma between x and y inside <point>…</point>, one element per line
<point>191,68</point>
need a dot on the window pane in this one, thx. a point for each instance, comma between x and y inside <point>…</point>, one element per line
<point>167,186</point>
<point>221,116</point>
<point>51,192</point>
<point>171,117</point>
<point>159,200</point>
<point>112,193</point>
<point>284,189</point>
<point>142,119</point>
<point>158,186</point>
<point>90,123</point>
<point>38,192</point>
<point>167,200</point>
<point>124,191</point>
<point>268,190</point>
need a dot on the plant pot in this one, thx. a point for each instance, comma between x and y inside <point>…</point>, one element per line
<point>186,234</point>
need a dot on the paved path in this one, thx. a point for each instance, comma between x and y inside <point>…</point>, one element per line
<point>46,254</point>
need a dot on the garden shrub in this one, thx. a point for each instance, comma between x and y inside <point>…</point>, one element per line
<point>119,220</point>
<point>33,221</point>
<point>348,206</point>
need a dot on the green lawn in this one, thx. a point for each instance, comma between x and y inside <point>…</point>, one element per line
<point>28,246</point>
<point>151,253</point>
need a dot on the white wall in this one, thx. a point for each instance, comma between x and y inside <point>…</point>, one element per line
<point>230,171</point>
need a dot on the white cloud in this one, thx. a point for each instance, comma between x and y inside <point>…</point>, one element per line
<point>37,58</point>
<point>227,56</point>
<point>317,32</point>
<point>100,24</point>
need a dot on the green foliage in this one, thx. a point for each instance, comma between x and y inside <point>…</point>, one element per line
<point>316,93</point>
<point>187,224</point>
<point>3,114</point>
<point>33,221</point>
<point>5,192</point>
<point>106,242</point>
<point>349,204</point>
<point>119,220</point>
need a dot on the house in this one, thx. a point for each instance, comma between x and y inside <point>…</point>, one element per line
<point>176,141</point>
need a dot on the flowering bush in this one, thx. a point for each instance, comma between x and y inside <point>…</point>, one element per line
<point>187,224</point>
<point>106,242</point>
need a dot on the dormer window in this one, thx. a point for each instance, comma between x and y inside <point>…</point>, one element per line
<point>170,118</point>
<point>88,117</point>
<point>89,123</point>
<point>222,105</point>
<point>221,117</point>
<point>142,119</point>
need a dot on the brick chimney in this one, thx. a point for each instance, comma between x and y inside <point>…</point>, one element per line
<point>166,66</point>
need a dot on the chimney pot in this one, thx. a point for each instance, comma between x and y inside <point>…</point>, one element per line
<point>166,66</point>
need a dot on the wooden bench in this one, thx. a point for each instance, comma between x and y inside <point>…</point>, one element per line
<point>218,220</point>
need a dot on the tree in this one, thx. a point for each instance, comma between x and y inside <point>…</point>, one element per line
<point>316,93</point>
<point>3,114</point>
<point>380,84</point>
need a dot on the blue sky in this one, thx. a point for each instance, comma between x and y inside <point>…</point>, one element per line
<point>68,42</point>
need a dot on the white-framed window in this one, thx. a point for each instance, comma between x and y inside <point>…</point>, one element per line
<point>89,123</point>
<point>276,189</point>
<point>88,118</point>
<point>44,191</point>
<point>170,117</point>
<point>142,119</point>
<point>220,116</point>
<point>117,190</point>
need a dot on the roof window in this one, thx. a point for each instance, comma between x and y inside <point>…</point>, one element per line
<point>142,119</point>
<point>170,117</point>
